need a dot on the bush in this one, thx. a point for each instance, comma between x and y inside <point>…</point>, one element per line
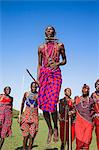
<point>15,113</point>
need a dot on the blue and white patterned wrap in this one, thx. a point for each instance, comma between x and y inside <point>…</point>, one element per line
<point>30,101</point>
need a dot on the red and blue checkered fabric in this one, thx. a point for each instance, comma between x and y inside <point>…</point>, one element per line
<point>50,85</point>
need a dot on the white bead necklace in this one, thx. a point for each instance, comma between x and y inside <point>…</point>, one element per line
<point>84,99</point>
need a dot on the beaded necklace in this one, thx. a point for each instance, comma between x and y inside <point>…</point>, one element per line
<point>50,58</point>
<point>84,99</point>
<point>96,97</point>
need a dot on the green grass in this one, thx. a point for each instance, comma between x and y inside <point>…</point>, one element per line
<point>15,141</point>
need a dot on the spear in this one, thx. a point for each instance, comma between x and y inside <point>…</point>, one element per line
<point>32,76</point>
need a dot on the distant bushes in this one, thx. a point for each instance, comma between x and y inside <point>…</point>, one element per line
<point>15,113</point>
<point>41,116</point>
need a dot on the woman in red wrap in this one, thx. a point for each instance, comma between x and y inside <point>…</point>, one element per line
<point>65,108</point>
<point>83,123</point>
<point>6,102</point>
<point>49,77</point>
<point>29,118</point>
<point>95,97</point>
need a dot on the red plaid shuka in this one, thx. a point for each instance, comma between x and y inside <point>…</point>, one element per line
<point>50,84</point>
<point>50,80</point>
<point>96,116</point>
<point>29,123</point>
<point>83,124</point>
<point>5,116</point>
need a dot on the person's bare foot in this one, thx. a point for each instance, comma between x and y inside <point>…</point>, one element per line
<point>55,136</point>
<point>62,146</point>
<point>49,138</point>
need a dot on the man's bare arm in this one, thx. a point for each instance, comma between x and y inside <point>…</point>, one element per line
<point>62,53</point>
<point>22,104</point>
<point>39,61</point>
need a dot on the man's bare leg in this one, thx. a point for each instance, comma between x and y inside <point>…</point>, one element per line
<point>1,142</point>
<point>48,121</point>
<point>54,118</point>
<point>25,140</point>
<point>31,139</point>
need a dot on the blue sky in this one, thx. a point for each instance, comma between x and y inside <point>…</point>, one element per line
<point>22,31</point>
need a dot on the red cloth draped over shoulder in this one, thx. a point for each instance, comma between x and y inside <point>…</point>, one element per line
<point>4,99</point>
<point>83,128</point>
<point>96,108</point>
<point>50,80</point>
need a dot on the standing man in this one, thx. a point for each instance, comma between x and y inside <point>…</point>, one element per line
<point>65,108</point>
<point>95,97</point>
<point>83,123</point>
<point>6,102</point>
<point>50,80</point>
<point>29,118</point>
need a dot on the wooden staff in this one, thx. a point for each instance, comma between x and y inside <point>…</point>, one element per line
<point>65,127</point>
<point>70,134</point>
<point>32,76</point>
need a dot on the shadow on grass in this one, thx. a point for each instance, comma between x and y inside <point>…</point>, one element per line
<point>51,149</point>
<point>21,148</point>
